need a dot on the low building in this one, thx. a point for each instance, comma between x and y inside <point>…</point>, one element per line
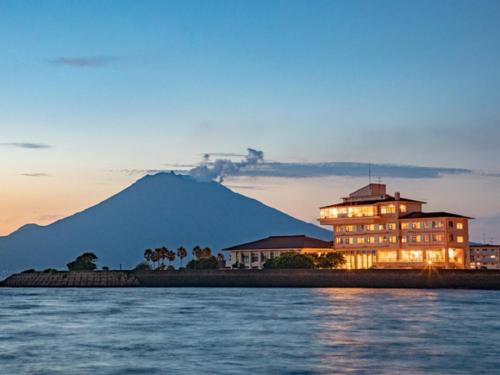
<point>254,254</point>
<point>484,256</point>
<point>373,229</point>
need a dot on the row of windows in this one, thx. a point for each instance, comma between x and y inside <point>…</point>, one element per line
<point>360,211</point>
<point>431,224</point>
<point>365,227</point>
<point>365,240</point>
<point>359,240</point>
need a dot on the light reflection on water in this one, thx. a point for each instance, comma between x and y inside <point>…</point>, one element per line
<point>248,331</point>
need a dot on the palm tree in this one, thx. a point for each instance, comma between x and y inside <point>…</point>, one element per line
<point>162,254</point>
<point>197,252</point>
<point>155,258</point>
<point>181,253</point>
<point>206,252</point>
<point>170,257</point>
<point>148,255</point>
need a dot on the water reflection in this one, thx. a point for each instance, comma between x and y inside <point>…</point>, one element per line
<point>248,331</point>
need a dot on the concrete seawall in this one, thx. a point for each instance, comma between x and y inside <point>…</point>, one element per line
<point>468,279</point>
<point>72,279</point>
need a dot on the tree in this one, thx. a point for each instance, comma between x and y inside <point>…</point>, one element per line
<point>85,262</point>
<point>162,255</point>
<point>181,253</point>
<point>290,260</point>
<point>329,260</point>
<point>143,267</point>
<point>206,252</point>
<point>148,254</point>
<point>197,252</point>
<point>203,264</point>
<point>170,257</point>
<point>155,258</point>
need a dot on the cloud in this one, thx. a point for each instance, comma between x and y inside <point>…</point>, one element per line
<point>83,62</point>
<point>26,145</point>
<point>36,174</point>
<point>254,165</point>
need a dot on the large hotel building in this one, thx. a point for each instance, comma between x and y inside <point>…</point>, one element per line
<point>373,229</point>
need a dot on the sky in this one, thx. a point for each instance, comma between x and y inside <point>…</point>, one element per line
<point>94,94</point>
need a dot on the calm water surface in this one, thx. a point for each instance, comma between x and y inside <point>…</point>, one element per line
<point>249,331</point>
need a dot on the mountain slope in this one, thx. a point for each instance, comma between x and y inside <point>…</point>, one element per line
<point>162,209</point>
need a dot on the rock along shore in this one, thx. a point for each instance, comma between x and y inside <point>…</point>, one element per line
<point>465,279</point>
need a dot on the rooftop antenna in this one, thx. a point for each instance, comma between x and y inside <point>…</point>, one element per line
<point>379,180</point>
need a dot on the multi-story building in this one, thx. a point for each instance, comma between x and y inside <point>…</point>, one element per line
<point>373,229</point>
<point>484,256</point>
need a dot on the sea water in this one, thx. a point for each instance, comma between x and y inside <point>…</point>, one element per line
<point>249,331</point>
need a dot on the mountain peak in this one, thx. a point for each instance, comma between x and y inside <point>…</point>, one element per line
<point>162,209</point>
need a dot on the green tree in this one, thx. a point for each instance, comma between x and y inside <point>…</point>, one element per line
<point>148,254</point>
<point>206,252</point>
<point>181,253</point>
<point>143,266</point>
<point>170,257</point>
<point>290,260</point>
<point>329,260</point>
<point>85,262</point>
<point>203,264</point>
<point>162,255</point>
<point>197,252</point>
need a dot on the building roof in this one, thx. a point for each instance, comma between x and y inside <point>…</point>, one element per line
<point>284,242</point>
<point>368,202</point>
<point>473,244</point>
<point>418,215</point>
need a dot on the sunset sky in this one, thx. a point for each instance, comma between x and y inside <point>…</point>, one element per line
<point>95,94</point>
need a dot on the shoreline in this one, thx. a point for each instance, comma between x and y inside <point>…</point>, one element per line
<point>291,278</point>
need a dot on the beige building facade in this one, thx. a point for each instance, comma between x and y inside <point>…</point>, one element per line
<point>484,257</point>
<point>373,229</point>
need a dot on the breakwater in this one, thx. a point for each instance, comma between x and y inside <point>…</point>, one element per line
<point>468,279</point>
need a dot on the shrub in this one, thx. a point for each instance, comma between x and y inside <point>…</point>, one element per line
<point>31,270</point>
<point>290,260</point>
<point>85,262</point>
<point>329,260</point>
<point>209,263</point>
<point>105,268</point>
<point>50,270</point>
<point>143,266</point>
<point>170,268</point>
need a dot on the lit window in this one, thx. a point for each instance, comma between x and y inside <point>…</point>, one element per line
<point>404,225</point>
<point>404,239</point>
<point>391,226</point>
<point>415,225</point>
<point>460,239</point>
<point>392,239</point>
<point>419,238</point>
<point>351,240</point>
<point>390,209</point>
<point>402,208</point>
<point>460,226</point>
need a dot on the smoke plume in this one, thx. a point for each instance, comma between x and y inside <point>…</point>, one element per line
<point>220,168</point>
